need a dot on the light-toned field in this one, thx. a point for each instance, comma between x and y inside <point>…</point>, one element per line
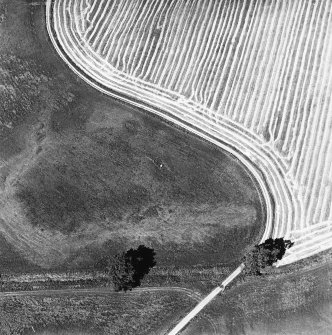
<point>254,77</point>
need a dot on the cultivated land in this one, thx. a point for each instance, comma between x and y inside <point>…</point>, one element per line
<point>78,169</point>
<point>63,145</point>
<point>255,75</point>
<point>83,175</point>
<point>52,127</point>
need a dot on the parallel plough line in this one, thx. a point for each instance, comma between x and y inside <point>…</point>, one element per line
<point>253,77</point>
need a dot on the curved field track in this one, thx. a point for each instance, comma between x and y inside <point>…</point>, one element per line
<point>252,76</point>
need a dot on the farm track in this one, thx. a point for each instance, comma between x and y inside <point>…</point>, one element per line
<point>253,77</point>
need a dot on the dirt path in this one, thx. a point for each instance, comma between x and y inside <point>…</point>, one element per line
<point>203,303</point>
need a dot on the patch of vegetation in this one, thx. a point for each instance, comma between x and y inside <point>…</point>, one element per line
<point>264,255</point>
<point>128,268</point>
<point>110,313</point>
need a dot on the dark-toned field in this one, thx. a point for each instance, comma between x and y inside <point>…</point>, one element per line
<point>91,314</point>
<point>83,174</point>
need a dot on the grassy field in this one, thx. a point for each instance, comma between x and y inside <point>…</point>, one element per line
<point>83,175</point>
<point>112,313</point>
<point>296,303</point>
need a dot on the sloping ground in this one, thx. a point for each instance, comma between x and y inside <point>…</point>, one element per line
<point>255,75</point>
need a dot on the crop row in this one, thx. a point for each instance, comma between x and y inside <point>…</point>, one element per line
<point>254,74</point>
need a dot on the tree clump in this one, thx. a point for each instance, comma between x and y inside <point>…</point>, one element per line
<point>264,255</point>
<point>127,269</point>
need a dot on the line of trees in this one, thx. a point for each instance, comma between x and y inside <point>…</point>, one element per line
<point>127,269</point>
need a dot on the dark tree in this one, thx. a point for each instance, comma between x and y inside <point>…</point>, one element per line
<point>264,255</point>
<point>142,260</point>
<point>121,272</point>
<point>128,268</point>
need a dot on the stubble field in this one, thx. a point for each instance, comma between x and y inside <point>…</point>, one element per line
<point>254,75</point>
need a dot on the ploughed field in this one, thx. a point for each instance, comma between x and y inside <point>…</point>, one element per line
<point>255,75</point>
<point>82,175</point>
